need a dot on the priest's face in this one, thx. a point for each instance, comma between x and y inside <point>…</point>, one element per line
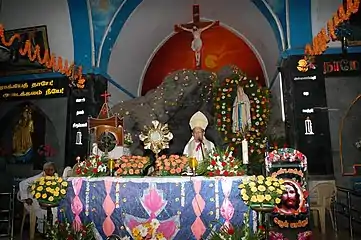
<point>198,134</point>
<point>49,170</point>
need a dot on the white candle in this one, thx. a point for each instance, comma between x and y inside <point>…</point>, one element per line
<point>245,151</point>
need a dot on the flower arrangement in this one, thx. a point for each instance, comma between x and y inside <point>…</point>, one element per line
<point>261,190</point>
<point>128,139</point>
<point>94,166</point>
<point>173,165</point>
<point>64,230</point>
<point>225,93</point>
<point>147,230</point>
<point>131,165</point>
<point>222,163</point>
<point>49,189</point>
<point>243,232</point>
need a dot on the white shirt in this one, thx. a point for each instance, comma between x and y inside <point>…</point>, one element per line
<point>25,185</point>
<point>194,149</point>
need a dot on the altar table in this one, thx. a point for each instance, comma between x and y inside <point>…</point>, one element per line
<point>187,207</point>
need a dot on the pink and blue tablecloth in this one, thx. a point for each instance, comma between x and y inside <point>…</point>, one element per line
<point>187,207</point>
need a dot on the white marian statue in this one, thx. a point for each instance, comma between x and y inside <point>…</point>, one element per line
<point>241,115</point>
<point>198,145</point>
<point>197,43</point>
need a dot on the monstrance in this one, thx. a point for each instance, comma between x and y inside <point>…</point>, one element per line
<point>156,137</point>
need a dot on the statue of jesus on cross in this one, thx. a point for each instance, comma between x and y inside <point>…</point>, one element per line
<point>196,28</point>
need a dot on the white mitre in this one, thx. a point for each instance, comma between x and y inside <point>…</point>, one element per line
<point>198,120</point>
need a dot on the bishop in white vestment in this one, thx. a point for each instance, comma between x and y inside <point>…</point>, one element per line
<point>31,204</point>
<point>198,146</point>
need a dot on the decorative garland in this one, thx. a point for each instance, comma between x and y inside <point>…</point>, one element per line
<point>319,43</point>
<point>50,61</point>
<point>286,155</point>
<point>224,97</point>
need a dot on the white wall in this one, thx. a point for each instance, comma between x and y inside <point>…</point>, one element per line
<point>321,12</point>
<point>154,20</point>
<point>52,13</point>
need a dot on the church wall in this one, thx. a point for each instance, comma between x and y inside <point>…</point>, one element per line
<point>321,12</point>
<point>54,14</point>
<point>348,88</point>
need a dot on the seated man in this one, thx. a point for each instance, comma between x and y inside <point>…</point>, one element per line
<point>24,190</point>
<point>198,146</point>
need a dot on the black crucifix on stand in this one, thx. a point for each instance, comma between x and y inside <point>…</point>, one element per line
<point>196,28</point>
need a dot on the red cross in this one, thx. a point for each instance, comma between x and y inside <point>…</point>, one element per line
<point>106,96</point>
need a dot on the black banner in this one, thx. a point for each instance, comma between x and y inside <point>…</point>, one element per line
<point>341,65</point>
<point>307,112</point>
<point>83,103</point>
<point>44,88</point>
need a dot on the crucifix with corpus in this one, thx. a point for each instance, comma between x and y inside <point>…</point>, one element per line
<point>196,28</point>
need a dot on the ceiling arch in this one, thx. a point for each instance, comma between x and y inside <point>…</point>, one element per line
<point>152,22</point>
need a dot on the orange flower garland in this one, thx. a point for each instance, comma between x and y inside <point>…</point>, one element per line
<point>319,43</point>
<point>75,73</point>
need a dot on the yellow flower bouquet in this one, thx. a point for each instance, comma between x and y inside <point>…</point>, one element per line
<point>262,191</point>
<point>49,189</point>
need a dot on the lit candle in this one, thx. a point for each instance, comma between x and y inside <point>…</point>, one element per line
<point>245,151</point>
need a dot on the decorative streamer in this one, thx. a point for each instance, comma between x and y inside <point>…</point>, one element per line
<point>216,193</point>
<point>87,190</point>
<point>50,61</point>
<point>76,205</point>
<point>198,203</point>
<point>183,194</point>
<point>108,206</point>
<point>227,209</point>
<point>117,190</point>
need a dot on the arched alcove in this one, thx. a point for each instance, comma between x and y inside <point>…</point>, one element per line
<point>221,47</point>
<point>44,137</point>
<point>151,23</point>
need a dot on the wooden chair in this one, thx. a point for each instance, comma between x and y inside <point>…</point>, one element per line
<point>326,192</point>
<point>32,216</point>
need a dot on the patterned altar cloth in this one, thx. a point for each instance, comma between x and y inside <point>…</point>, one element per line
<point>187,207</point>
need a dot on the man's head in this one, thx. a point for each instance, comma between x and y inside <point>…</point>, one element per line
<point>49,169</point>
<point>290,197</point>
<point>198,134</point>
<point>198,124</point>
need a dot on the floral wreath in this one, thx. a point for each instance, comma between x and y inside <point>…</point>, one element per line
<point>224,96</point>
<point>286,155</point>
